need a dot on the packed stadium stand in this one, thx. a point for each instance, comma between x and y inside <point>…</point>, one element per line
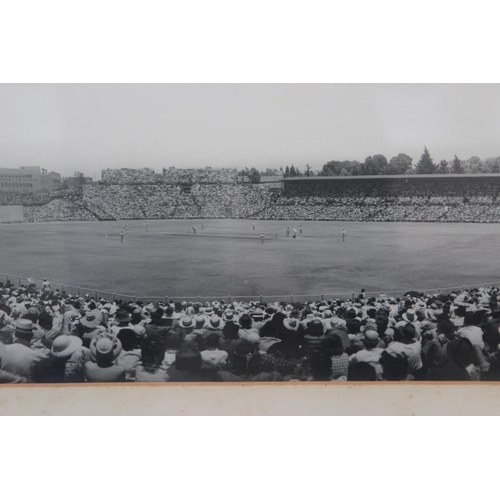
<point>48,336</point>
<point>211,193</point>
<point>416,198</point>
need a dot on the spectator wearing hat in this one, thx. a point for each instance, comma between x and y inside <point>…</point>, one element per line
<point>231,325</point>
<point>246,330</point>
<point>274,326</point>
<point>460,356</point>
<point>410,316</point>
<point>70,324</point>
<point>358,340</point>
<point>45,286</point>
<point>157,329</point>
<point>258,317</point>
<point>434,348</point>
<point>7,377</point>
<point>212,355</point>
<point>471,331</point>
<point>7,334</point>
<point>168,317</point>
<point>493,371</point>
<point>491,331</point>
<point>354,331</point>
<point>185,326</point>
<point>337,326</point>
<point>229,331</point>
<point>130,357</point>
<point>189,366</point>
<point>151,369</point>
<point>123,318</point>
<point>89,326</point>
<point>52,368</point>
<point>307,316</point>
<point>178,310</point>
<point>198,334</point>
<point>104,348</point>
<point>333,347</point>
<point>350,316</point>
<point>207,312</point>
<point>32,314</point>
<point>405,342</point>
<point>18,358</point>
<point>48,330</point>
<point>157,316</point>
<point>327,316</point>
<point>313,336</point>
<point>5,318</point>
<point>371,352</point>
<point>245,364</point>
<point>292,344</point>
<point>214,325</point>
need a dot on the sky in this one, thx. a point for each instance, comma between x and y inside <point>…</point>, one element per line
<point>88,127</point>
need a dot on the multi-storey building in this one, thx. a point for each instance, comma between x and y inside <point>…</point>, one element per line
<point>28,179</point>
<point>20,179</point>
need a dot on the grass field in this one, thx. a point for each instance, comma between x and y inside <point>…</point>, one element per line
<point>227,257</point>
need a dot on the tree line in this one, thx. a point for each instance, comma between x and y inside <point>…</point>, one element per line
<point>254,175</point>
<point>402,164</point>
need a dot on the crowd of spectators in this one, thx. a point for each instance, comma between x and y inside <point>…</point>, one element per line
<point>173,175</point>
<point>49,336</point>
<point>24,198</point>
<point>164,201</point>
<point>206,193</point>
<point>58,210</point>
<point>45,207</point>
<point>129,176</point>
<point>394,201</point>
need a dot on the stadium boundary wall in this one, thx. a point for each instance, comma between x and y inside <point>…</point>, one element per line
<point>291,298</point>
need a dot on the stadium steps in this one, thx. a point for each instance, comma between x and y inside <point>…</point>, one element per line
<point>99,214</point>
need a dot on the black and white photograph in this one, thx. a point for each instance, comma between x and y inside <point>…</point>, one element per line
<point>174,233</point>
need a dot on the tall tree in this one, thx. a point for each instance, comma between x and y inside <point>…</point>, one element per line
<point>332,168</point>
<point>375,165</point>
<point>269,172</point>
<point>254,176</point>
<point>399,165</point>
<point>287,171</point>
<point>493,164</point>
<point>443,167</point>
<point>426,165</point>
<point>456,166</point>
<point>474,165</point>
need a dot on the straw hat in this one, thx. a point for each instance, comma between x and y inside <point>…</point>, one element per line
<point>65,346</point>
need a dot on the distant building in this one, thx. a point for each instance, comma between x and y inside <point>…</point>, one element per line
<point>28,179</point>
<point>14,180</point>
<point>50,181</point>
<point>76,181</point>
